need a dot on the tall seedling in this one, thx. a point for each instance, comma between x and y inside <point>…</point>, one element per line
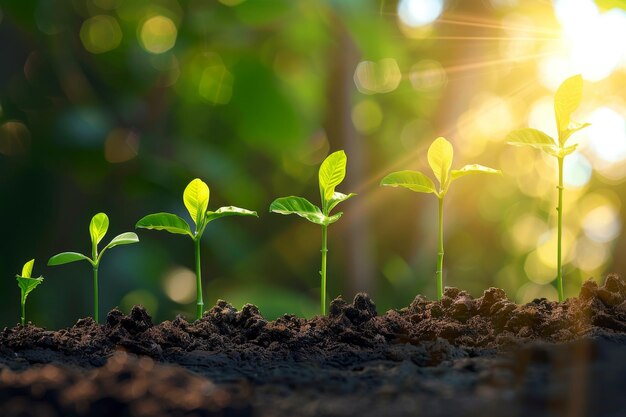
<point>196,200</point>
<point>27,283</point>
<point>566,101</point>
<point>331,174</point>
<point>440,155</point>
<point>97,229</point>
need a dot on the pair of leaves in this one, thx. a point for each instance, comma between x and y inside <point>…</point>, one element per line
<point>566,100</point>
<point>196,200</point>
<point>331,173</point>
<point>440,156</point>
<point>98,228</point>
<point>25,280</point>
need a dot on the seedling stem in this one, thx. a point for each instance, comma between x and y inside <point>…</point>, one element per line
<point>559,209</point>
<point>199,301</point>
<point>323,272</point>
<point>440,258</point>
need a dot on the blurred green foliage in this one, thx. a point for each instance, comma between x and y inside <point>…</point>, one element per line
<point>104,108</point>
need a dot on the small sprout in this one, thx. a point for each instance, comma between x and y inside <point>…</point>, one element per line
<point>27,283</point>
<point>566,101</point>
<point>97,229</point>
<point>440,155</point>
<point>196,200</point>
<point>331,174</point>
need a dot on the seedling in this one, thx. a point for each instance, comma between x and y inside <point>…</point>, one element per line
<point>566,100</point>
<point>331,174</point>
<point>196,200</point>
<point>27,284</point>
<point>97,229</point>
<point>440,155</point>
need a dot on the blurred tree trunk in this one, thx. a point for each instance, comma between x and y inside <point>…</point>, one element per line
<point>343,59</point>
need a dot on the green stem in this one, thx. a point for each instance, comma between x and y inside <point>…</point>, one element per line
<point>199,302</point>
<point>559,209</point>
<point>323,271</point>
<point>95,293</point>
<point>23,302</point>
<point>440,254</point>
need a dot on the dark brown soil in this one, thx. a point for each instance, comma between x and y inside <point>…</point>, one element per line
<point>458,357</point>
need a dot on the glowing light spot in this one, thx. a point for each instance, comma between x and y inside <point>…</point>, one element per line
<point>415,13</point>
<point>383,76</point>
<point>492,117</point>
<point>530,291</point>
<point>216,84</point>
<point>591,37</point>
<point>547,248</point>
<point>121,145</point>
<point>542,116</point>
<point>14,138</point>
<point>607,135</point>
<point>367,116</point>
<point>602,224</point>
<point>100,34</point>
<point>537,271</point>
<point>590,256</point>
<point>158,34</point>
<point>428,75</point>
<point>142,298</point>
<point>180,285</point>
<point>525,231</point>
<point>576,171</point>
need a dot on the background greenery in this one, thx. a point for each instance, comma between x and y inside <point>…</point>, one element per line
<point>114,106</point>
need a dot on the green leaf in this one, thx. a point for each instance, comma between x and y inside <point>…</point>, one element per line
<point>331,173</point>
<point>440,155</point>
<point>530,137</point>
<point>229,211</point>
<point>413,180</point>
<point>98,228</point>
<point>123,239</point>
<point>27,284</point>
<point>67,257</point>
<point>332,219</point>
<point>472,169</point>
<point>165,221</point>
<point>338,198</point>
<point>561,152</point>
<point>27,270</point>
<point>196,199</point>
<point>575,128</point>
<point>566,101</point>
<point>299,206</point>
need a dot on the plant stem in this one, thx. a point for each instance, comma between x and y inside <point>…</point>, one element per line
<point>23,302</point>
<point>323,271</point>
<point>440,254</point>
<point>199,302</point>
<point>559,209</point>
<point>95,293</point>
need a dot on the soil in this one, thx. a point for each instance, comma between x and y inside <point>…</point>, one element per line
<point>461,356</point>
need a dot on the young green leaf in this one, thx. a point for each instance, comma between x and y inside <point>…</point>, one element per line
<point>27,269</point>
<point>299,206</point>
<point>27,284</point>
<point>228,211</point>
<point>472,169</point>
<point>98,227</point>
<point>331,174</point>
<point>440,155</point>
<point>68,257</point>
<point>530,137</point>
<point>196,199</point>
<point>165,221</point>
<point>123,239</point>
<point>338,198</point>
<point>566,101</point>
<point>413,180</point>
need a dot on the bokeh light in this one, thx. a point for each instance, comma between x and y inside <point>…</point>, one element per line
<point>367,116</point>
<point>417,13</point>
<point>179,285</point>
<point>100,34</point>
<point>383,76</point>
<point>158,34</point>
